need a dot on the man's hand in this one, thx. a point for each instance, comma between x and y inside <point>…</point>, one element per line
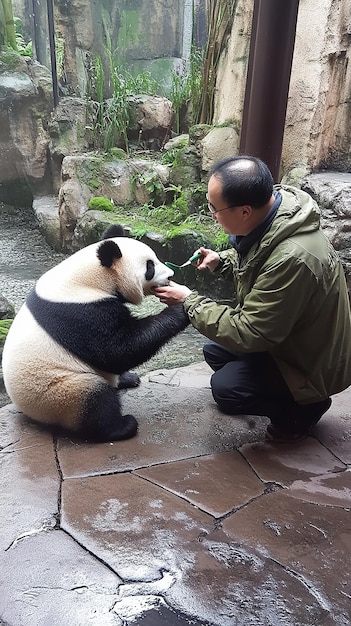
<point>209,259</point>
<point>172,293</point>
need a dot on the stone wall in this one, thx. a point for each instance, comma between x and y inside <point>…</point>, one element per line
<point>25,106</point>
<point>318,121</point>
<point>332,192</point>
<point>138,34</point>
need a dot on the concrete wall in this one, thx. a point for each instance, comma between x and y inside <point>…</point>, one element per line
<point>142,35</point>
<point>318,120</point>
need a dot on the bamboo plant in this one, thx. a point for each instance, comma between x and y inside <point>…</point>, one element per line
<point>7,25</point>
<point>220,15</point>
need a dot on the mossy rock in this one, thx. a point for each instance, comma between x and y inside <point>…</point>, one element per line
<point>11,61</point>
<point>7,310</point>
<point>117,154</point>
<point>187,156</point>
<point>184,175</point>
<point>198,132</point>
<point>186,167</point>
<point>90,227</point>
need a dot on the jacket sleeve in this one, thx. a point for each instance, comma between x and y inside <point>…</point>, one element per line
<point>228,265</point>
<point>277,300</point>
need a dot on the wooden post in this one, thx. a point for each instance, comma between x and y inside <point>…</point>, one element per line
<point>268,78</point>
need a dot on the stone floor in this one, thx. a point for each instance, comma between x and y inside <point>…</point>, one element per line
<point>196,521</point>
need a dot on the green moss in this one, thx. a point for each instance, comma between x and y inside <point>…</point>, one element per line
<point>4,328</point>
<point>100,203</point>
<point>117,153</point>
<point>171,223</point>
<point>230,123</point>
<point>93,183</point>
<point>198,132</point>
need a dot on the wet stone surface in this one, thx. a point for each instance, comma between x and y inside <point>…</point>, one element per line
<point>196,521</point>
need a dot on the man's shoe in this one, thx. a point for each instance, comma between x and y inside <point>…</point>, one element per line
<point>302,426</point>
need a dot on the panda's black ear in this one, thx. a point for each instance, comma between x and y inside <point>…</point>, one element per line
<point>115,230</point>
<point>107,252</point>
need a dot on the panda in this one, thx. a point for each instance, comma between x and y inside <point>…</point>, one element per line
<point>71,345</point>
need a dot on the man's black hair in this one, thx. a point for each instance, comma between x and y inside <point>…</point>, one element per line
<point>245,180</point>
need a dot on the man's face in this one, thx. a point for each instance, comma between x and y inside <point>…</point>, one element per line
<point>232,219</point>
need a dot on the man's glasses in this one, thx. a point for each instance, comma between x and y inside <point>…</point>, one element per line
<point>212,209</point>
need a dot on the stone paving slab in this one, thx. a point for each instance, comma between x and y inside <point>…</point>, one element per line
<point>49,580</point>
<point>328,489</point>
<point>216,484</point>
<point>196,521</point>
<point>29,486</point>
<point>309,541</point>
<point>285,463</point>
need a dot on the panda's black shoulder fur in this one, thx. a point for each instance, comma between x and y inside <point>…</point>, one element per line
<point>115,230</point>
<point>104,333</point>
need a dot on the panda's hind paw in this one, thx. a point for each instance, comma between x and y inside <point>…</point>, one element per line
<point>127,427</point>
<point>128,380</point>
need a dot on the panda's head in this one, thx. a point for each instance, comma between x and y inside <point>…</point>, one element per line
<point>133,267</point>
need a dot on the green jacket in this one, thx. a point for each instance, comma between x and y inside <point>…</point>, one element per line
<point>292,302</point>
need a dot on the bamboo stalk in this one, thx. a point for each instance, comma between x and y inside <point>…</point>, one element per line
<point>220,15</point>
<point>10,30</point>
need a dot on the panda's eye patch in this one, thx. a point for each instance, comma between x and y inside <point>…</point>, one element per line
<point>150,270</point>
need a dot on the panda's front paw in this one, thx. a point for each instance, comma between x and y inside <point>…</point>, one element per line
<point>182,317</point>
<point>128,380</point>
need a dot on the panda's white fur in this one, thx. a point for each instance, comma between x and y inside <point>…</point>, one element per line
<point>74,339</point>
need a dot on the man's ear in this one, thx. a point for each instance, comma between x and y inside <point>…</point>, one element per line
<point>246,210</point>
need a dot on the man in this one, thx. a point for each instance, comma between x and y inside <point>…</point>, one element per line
<point>285,348</point>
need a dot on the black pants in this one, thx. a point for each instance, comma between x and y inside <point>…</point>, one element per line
<point>251,384</point>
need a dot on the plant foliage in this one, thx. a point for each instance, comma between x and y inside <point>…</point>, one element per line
<point>186,88</point>
<point>7,25</point>
<point>4,328</point>
<point>220,15</point>
<point>111,117</point>
<point>24,48</point>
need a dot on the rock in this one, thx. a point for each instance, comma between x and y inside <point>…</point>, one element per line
<point>7,310</point>
<point>151,120</point>
<point>181,141</point>
<point>124,182</point>
<point>69,133</point>
<point>186,169</point>
<point>294,176</point>
<point>74,195</point>
<point>198,132</point>
<point>26,103</point>
<point>90,227</point>
<point>47,214</point>
<point>217,144</point>
<point>15,86</point>
<point>332,192</point>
